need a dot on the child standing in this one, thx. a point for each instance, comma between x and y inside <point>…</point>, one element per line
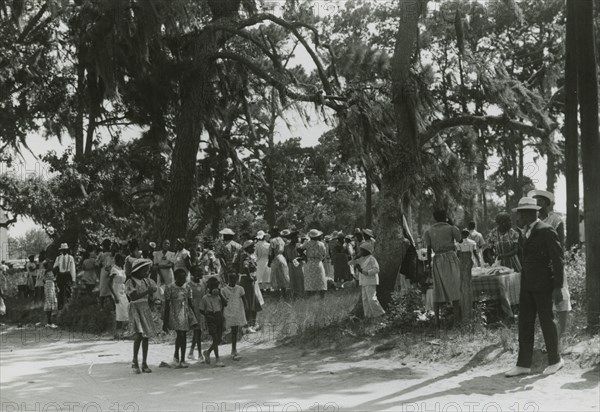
<point>139,289</point>
<point>198,291</point>
<point>368,269</point>
<point>179,315</point>
<point>234,311</point>
<point>211,307</point>
<point>50,299</point>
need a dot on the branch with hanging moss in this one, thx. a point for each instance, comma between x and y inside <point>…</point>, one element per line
<point>328,100</point>
<point>438,126</point>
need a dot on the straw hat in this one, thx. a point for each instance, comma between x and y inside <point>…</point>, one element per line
<point>260,234</point>
<point>527,203</point>
<point>368,246</point>
<point>64,246</point>
<point>227,231</point>
<point>248,243</point>
<point>313,233</point>
<point>285,233</point>
<point>368,232</point>
<point>542,193</point>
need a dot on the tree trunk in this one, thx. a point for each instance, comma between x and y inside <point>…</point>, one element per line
<point>551,172</point>
<point>590,149</point>
<point>571,130</point>
<point>390,246</point>
<point>369,200</point>
<point>197,100</point>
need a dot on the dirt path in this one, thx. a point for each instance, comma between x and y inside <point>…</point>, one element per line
<point>57,372</point>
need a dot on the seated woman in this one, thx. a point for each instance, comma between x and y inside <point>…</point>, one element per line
<point>505,242</point>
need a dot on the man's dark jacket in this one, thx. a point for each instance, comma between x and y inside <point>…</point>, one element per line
<point>542,260</point>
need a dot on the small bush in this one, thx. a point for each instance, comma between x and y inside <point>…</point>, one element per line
<point>575,273</point>
<point>83,314</point>
<point>405,310</point>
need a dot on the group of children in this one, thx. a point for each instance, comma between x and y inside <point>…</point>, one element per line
<point>189,306</point>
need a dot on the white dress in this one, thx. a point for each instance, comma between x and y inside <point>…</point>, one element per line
<point>121,308</point>
<point>263,272</point>
<point>234,311</point>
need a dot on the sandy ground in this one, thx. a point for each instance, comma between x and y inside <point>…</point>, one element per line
<point>42,370</point>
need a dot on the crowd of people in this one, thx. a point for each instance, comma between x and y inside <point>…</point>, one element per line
<point>218,286</point>
<point>215,288</point>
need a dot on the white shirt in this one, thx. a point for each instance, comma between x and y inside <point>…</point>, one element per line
<point>527,229</point>
<point>66,263</point>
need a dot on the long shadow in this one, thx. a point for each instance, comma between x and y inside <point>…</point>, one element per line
<point>591,379</point>
<point>476,360</point>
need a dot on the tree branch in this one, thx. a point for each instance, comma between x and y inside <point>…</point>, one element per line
<point>438,126</point>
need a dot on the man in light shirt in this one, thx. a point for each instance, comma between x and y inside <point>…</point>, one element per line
<point>64,267</point>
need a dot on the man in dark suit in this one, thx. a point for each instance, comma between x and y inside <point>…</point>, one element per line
<point>541,284</point>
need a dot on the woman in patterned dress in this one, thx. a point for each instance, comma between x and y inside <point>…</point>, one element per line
<point>314,271</point>
<point>140,289</point>
<point>505,241</point>
<point>280,278</point>
<point>50,298</point>
<point>445,266</point>
<point>179,315</point>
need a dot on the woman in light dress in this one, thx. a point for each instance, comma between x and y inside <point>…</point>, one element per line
<point>314,270</point>
<point>280,277</point>
<point>263,271</point>
<point>116,285</point>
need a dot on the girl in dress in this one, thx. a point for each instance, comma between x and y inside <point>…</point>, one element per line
<point>234,311</point>
<point>211,307</point>
<point>39,281</point>
<point>139,289</point>
<point>116,284</point>
<point>50,299</point>
<point>179,315</point>
<point>198,288</point>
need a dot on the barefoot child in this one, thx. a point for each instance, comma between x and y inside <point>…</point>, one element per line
<point>198,291</point>
<point>139,289</point>
<point>179,315</point>
<point>211,307</point>
<point>234,311</point>
<point>50,299</point>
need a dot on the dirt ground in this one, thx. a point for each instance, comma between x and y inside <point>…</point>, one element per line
<point>46,370</point>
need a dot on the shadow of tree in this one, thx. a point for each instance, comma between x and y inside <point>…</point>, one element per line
<point>590,379</point>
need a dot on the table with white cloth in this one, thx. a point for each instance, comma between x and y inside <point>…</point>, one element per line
<point>497,283</point>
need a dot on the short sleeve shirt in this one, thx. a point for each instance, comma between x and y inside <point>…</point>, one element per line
<point>441,237</point>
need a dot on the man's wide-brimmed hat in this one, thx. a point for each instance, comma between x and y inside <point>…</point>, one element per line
<point>227,231</point>
<point>542,193</point>
<point>527,203</point>
<point>314,233</point>
<point>285,233</point>
<point>368,246</point>
<point>368,232</point>
<point>260,234</point>
<point>248,243</point>
<point>64,246</point>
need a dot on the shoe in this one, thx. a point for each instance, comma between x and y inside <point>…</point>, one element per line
<point>552,369</point>
<point>179,366</point>
<point>136,368</point>
<point>175,361</point>
<point>184,364</point>
<point>219,363</point>
<point>146,369</point>
<point>191,356</point>
<point>206,357</point>
<point>517,371</point>
<point>251,329</point>
<point>235,357</point>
